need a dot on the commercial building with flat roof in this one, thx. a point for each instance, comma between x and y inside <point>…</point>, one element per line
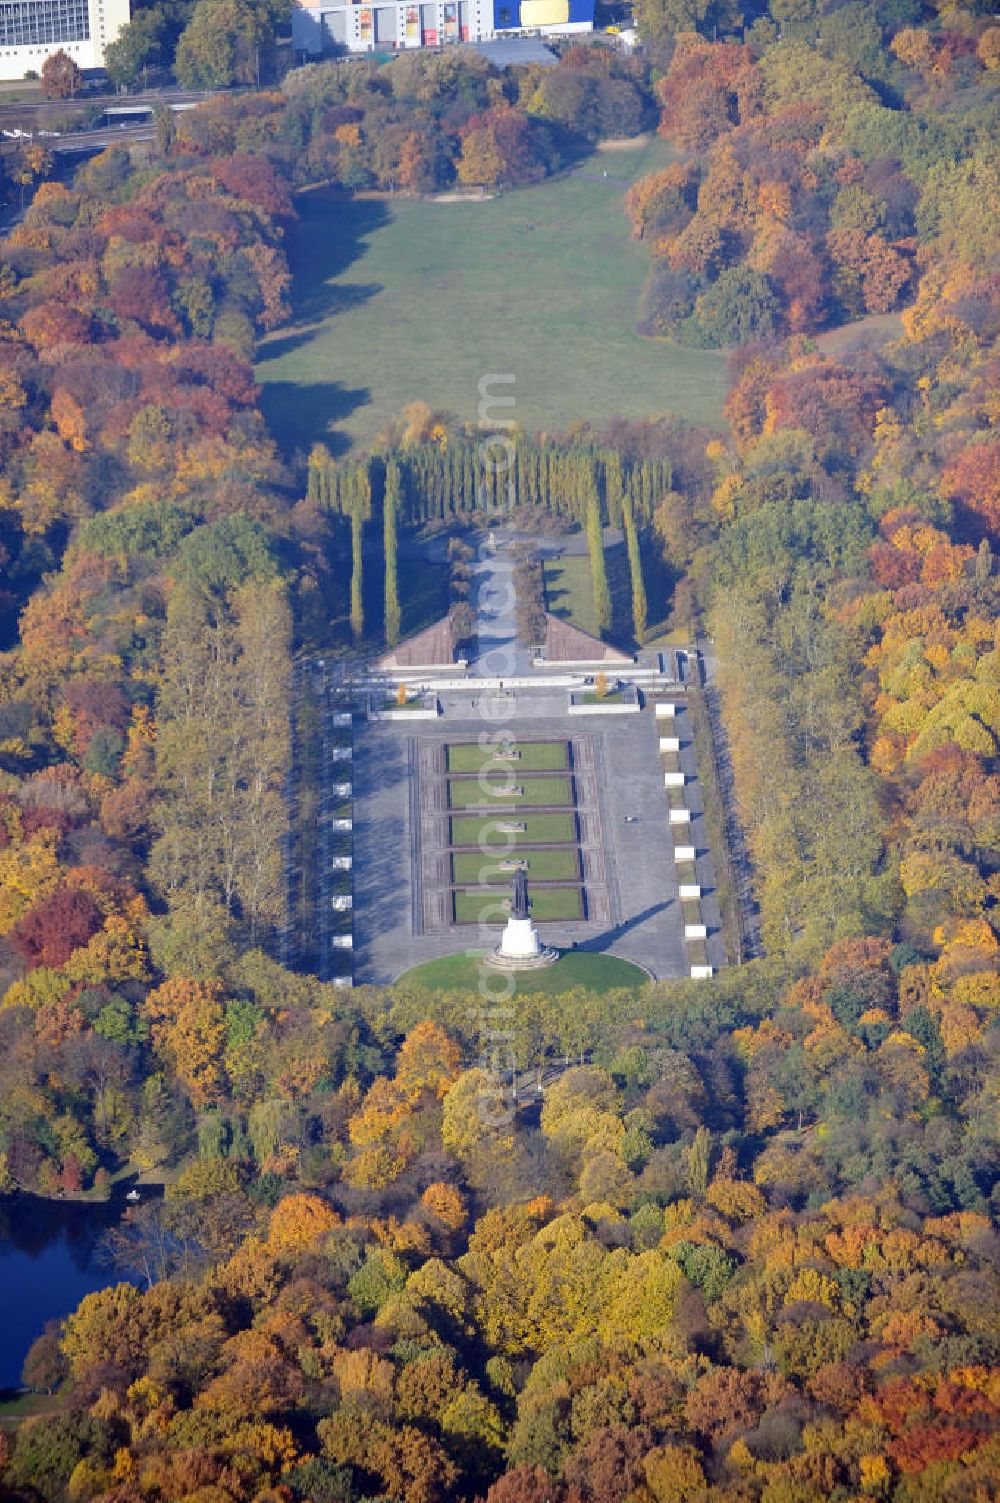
<point>319,26</point>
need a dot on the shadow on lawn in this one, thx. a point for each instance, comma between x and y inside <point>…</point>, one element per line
<point>346,224</point>
<point>298,415</point>
<point>341,299</point>
<point>332,232</point>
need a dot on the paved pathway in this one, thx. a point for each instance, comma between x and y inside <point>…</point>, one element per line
<point>494,599</point>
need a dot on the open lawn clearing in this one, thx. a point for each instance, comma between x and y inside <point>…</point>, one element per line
<point>404,299</point>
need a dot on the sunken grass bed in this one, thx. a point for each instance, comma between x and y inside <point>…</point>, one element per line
<point>483,831</point>
<point>548,904</point>
<point>560,864</point>
<point>554,792</point>
<point>534,756</point>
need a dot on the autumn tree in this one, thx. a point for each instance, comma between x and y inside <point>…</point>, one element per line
<point>61,76</point>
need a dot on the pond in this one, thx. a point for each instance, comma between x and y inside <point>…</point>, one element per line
<point>50,1257</point>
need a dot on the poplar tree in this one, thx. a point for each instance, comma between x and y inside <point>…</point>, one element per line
<point>613,487</point>
<point>635,570</point>
<point>357,568</point>
<point>390,508</point>
<point>598,571</point>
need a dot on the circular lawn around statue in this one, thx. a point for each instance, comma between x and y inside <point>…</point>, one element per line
<point>597,973</point>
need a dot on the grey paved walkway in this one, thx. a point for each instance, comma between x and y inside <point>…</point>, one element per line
<point>498,654</point>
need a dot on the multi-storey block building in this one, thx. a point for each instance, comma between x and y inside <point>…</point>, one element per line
<point>30,30</point>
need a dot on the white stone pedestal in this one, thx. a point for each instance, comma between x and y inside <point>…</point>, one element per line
<point>520,948</point>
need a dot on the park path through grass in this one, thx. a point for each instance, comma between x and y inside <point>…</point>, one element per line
<point>400,300</point>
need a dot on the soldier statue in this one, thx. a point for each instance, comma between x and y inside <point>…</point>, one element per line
<point>520,905</point>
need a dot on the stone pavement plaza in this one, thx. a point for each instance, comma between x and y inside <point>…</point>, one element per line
<point>401,907</point>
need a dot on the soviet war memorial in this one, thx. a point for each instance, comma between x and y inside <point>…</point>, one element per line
<point>499,715</point>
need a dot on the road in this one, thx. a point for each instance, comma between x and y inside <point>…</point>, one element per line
<point>78,141</point>
<point>499,652</point>
<point>42,114</point>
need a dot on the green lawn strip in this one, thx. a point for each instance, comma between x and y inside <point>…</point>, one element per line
<point>559,865</point>
<point>569,591</point>
<point>25,1406</point>
<point>423,592</point>
<point>463,792</point>
<point>393,299</point>
<point>547,903</point>
<point>535,756</point>
<point>483,832</point>
<point>593,698</point>
<point>576,968</point>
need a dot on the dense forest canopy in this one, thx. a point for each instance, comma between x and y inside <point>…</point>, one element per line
<point>745,1249</point>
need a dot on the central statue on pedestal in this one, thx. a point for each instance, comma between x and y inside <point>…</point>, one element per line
<point>520,947</point>
<point>520,903</point>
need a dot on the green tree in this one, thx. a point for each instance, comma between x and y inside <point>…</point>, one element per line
<point>393,614</point>
<point>598,569</point>
<point>635,570</point>
<point>659,20</point>
<point>223,743</point>
<point>739,307</point>
<point>136,45</point>
<point>357,576</point>
<point>220,45</point>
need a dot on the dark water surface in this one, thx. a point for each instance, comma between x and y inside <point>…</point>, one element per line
<point>50,1258</point>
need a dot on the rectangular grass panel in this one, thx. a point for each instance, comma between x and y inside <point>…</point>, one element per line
<point>463,792</point>
<point>483,832</point>
<point>548,904</point>
<point>535,756</point>
<point>559,865</point>
<point>569,590</point>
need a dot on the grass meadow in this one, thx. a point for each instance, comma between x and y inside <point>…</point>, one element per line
<point>395,300</point>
